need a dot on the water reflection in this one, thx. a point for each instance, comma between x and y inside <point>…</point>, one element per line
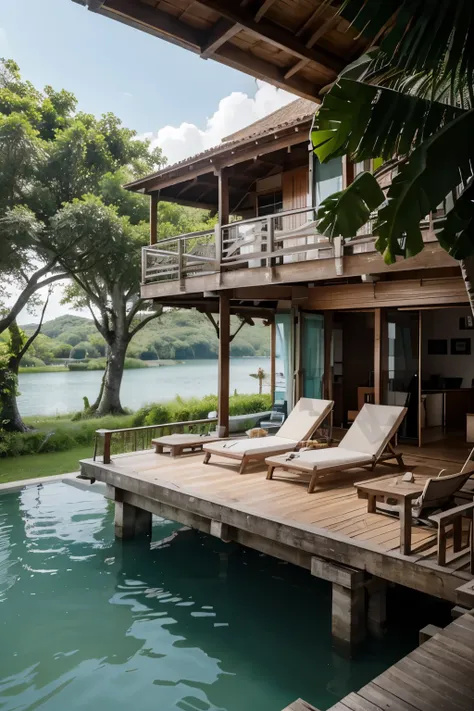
<point>189,623</point>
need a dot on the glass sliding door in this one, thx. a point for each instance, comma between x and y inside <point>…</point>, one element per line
<point>312,359</point>
<point>403,386</point>
<point>284,362</point>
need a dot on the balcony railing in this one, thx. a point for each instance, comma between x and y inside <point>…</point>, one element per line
<point>273,240</point>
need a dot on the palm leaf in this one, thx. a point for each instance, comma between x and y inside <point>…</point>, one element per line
<point>432,171</point>
<point>366,121</point>
<point>345,212</point>
<point>455,232</point>
<point>419,35</point>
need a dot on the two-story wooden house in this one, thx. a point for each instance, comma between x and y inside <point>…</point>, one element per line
<point>348,326</point>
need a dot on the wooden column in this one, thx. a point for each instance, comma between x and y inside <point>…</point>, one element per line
<point>378,356</point>
<point>328,376</point>
<point>224,363</point>
<point>347,172</point>
<point>223,196</point>
<point>130,521</point>
<point>154,199</point>
<point>272,360</point>
<point>349,621</point>
<point>377,606</point>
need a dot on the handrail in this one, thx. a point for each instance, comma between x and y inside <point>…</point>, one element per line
<point>263,218</point>
<point>187,235</point>
<point>107,435</point>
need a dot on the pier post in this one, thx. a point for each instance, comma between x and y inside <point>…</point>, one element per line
<point>348,603</point>
<point>130,521</point>
<point>377,606</point>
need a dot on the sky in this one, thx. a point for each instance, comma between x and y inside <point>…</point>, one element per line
<point>167,94</point>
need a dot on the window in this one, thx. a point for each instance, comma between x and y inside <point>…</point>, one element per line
<point>269,203</point>
<point>328,179</point>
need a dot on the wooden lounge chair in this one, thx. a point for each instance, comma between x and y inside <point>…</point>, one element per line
<point>307,415</point>
<point>436,508</point>
<point>366,443</point>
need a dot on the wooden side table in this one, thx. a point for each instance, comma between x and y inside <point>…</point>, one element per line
<point>403,492</point>
<point>178,443</point>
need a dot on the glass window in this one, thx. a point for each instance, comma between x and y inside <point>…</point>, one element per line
<point>269,203</point>
<point>328,178</point>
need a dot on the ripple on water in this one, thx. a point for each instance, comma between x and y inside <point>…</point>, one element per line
<point>193,624</point>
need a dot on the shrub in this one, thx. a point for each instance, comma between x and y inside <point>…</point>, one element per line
<point>180,410</point>
<point>29,361</point>
<point>77,366</point>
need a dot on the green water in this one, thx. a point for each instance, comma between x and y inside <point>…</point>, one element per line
<point>192,624</point>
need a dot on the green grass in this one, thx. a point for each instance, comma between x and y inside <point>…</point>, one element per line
<point>35,465</point>
<point>44,369</point>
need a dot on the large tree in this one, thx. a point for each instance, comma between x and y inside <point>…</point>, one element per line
<point>51,155</point>
<point>409,100</point>
<point>110,284</point>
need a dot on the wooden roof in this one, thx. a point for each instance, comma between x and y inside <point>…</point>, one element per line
<point>273,134</point>
<point>297,45</point>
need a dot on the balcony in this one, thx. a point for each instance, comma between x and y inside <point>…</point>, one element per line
<point>278,242</point>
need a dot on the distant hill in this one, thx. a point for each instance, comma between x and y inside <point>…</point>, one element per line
<point>178,334</point>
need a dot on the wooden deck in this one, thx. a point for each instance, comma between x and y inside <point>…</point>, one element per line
<point>437,675</point>
<point>280,518</point>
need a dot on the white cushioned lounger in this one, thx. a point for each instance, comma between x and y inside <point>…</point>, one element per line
<point>365,443</point>
<point>307,415</point>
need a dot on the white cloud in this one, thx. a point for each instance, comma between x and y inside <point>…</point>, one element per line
<point>3,42</point>
<point>234,112</point>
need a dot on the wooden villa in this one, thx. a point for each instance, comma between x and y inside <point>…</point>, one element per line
<point>346,326</point>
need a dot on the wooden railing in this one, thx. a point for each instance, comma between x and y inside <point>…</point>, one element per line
<point>275,239</point>
<point>280,238</point>
<point>134,439</point>
<point>176,258</point>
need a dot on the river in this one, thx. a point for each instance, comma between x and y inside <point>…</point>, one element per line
<point>58,393</point>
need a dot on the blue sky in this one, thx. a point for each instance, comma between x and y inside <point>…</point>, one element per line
<point>112,67</point>
<point>179,101</point>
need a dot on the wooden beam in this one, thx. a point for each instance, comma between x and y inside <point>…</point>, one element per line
<point>266,5</point>
<point>238,59</point>
<point>344,296</point>
<point>223,365</point>
<point>154,21</point>
<point>219,34</point>
<point>154,199</point>
<point>223,196</point>
<point>311,42</point>
<point>275,35</point>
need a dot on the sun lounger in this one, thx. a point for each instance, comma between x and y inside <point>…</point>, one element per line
<point>366,443</point>
<point>307,415</point>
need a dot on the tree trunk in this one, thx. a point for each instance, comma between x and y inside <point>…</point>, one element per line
<point>110,397</point>
<point>10,418</point>
<point>467,271</point>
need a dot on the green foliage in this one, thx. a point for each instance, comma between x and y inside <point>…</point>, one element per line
<point>180,410</point>
<point>411,99</point>
<point>59,434</point>
<point>79,351</point>
<point>78,366</point>
<point>176,335</point>
<point>56,435</point>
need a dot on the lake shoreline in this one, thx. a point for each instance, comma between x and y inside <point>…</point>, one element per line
<point>61,392</point>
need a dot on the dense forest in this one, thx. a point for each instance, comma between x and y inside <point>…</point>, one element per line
<point>177,334</point>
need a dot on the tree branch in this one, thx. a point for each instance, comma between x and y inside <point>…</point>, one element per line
<point>37,330</point>
<point>32,287</point>
<point>143,323</point>
<point>231,338</point>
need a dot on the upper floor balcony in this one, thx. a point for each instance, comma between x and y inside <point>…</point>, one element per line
<point>283,247</point>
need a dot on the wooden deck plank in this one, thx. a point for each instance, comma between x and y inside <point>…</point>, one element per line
<point>331,523</point>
